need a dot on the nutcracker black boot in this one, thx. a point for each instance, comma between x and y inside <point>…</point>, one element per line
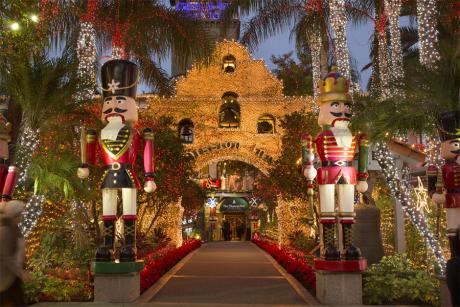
<point>330,250</point>
<point>128,250</point>
<point>454,245</point>
<point>105,250</point>
<point>351,251</point>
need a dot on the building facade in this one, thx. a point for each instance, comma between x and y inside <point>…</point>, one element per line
<point>229,110</point>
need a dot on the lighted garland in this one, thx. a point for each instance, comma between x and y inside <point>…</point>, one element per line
<point>427,31</point>
<point>28,142</point>
<point>32,213</point>
<point>400,189</point>
<point>385,92</point>
<point>315,49</point>
<point>393,9</point>
<point>86,51</point>
<point>433,152</point>
<point>339,23</point>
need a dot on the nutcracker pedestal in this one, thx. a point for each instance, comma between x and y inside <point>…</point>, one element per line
<point>117,282</point>
<point>339,282</point>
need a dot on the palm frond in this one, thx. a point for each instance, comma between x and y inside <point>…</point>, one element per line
<point>269,21</point>
<point>41,85</point>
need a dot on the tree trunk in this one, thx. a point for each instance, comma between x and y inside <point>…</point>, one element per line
<point>29,139</point>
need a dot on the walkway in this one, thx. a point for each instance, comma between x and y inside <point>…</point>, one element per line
<point>226,274</point>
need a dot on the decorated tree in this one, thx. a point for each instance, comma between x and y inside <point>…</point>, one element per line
<point>297,80</point>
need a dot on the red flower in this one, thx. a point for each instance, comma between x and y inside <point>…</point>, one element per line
<point>294,261</point>
<point>159,261</point>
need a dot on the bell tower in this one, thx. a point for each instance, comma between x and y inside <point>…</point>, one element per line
<point>210,12</point>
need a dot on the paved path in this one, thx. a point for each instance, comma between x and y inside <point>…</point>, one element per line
<point>226,274</point>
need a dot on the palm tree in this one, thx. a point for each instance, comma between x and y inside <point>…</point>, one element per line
<point>144,31</point>
<point>310,18</point>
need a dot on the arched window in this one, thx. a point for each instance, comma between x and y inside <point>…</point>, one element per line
<point>229,63</point>
<point>229,113</point>
<point>186,131</point>
<point>266,124</point>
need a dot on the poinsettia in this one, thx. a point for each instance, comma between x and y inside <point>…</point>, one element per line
<point>294,261</point>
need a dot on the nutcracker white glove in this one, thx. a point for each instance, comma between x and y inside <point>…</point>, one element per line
<point>362,186</point>
<point>439,198</point>
<point>83,172</point>
<point>150,186</point>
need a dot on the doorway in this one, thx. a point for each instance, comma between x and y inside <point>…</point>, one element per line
<point>234,228</point>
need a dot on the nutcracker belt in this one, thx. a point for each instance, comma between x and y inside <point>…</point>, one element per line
<point>118,166</point>
<point>336,163</point>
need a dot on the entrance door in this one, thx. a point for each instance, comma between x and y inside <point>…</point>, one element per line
<point>236,227</point>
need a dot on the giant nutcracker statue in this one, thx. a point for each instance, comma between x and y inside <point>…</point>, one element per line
<point>119,141</point>
<point>336,147</point>
<point>444,188</point>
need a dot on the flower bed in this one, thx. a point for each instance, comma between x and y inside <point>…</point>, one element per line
<point>160,261</point>
<point>294,261</point>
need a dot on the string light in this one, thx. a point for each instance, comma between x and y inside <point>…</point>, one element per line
<point>393,8</point>
<point>428,32</point>
<point>400,189</point>
<point>28,142</point>
<point>15,26</point>
<point>385,92</point>
<point>433,152</point>
<point>86,51</point>
<point>315,49</point>
<point>339,23</point>
<point>32,213</point>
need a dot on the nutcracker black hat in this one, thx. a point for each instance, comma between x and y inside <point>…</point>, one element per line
<point>449,125</point>
<point>119,78</point>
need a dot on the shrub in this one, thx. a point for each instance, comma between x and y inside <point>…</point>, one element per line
<point>395,281</point>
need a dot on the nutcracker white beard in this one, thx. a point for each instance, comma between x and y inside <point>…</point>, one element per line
<point>342,133</point>
<point>110,131</point>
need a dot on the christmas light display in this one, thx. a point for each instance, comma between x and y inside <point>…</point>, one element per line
<point>427,31</point>
<point>315,49</point>
<point>433,152</point>
<point>421,198</point>
<point>32,211</point>
<point>393,9</point>
<point>384,72</point>
<point>28,142</point>
<point>86,51</point>
<point>400,188</point>
<point>339,23</point>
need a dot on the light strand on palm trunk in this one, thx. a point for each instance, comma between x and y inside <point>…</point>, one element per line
<point>32,212</point>
<point>28,142</point>
<point>315,47</point>
<point>393,8</point>
<point>86,51</point>
<point>400,188</point>
<point>385,92</point>
<point>339,25</point>
<point>427,14</point>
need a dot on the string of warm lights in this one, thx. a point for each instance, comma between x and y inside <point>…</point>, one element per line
<point>384,72</point>
<point>86,51</point>
<point>32,211</point>
<point>339,22</point>
<point>315,49</point>
<point>393,9</point>
<point>400,189</point>
<point>28,142</point>
<point>433,152</point>
<point>427,31</point>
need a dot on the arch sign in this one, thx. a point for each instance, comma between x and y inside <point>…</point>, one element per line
<point>228,145</point>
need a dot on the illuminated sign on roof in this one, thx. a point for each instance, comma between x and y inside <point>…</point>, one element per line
<point>212,10</point>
